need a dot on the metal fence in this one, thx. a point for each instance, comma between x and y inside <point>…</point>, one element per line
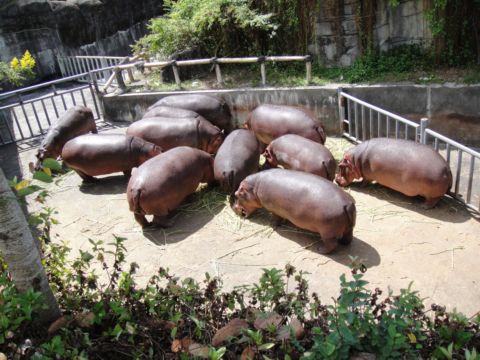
<point>79,65</point>
<point>27,113</point>
<point>361,121</point>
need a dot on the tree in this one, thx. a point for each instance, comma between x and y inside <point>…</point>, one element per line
<point>19,250</point>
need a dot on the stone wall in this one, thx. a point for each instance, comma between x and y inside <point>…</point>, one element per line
<point>337,36</point>
<point>72,27</point>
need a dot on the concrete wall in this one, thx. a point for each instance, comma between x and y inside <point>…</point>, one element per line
<point>322,100</point>
<point>454,110</point>
<point>337,37</point>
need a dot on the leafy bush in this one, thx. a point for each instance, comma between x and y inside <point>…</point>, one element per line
<point>218,27</point>
<point>274,318</point>
<point>18,70</point>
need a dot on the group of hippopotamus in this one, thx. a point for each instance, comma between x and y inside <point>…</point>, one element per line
<point>185,140</point>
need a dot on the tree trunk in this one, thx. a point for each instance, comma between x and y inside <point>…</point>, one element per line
<point>18,248</point>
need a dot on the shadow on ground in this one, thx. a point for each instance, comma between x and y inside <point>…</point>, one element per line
<point>107,185</point>
<point>193,214</point>
<point>310,240</point>
<point>447,209</point>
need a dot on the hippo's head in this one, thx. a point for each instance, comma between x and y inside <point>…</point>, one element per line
<point>270,157</point>
<point>42,154</point>
<point>246,202</point>
<point>347,171</point>
<point>215,142</point>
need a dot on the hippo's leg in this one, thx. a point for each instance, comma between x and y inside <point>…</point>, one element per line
<point>142,220</point>
<point>86,178</point>
<point>162,221</point>
<point>127,173</point>
<point>328,246</point>
<point>94,130</point>
<point>347,238</point>
<point>430,203</point>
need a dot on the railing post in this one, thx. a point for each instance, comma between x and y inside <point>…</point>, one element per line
<point>423,126</point>
<point>341,109</point>
<point>263,70</point>
<point>308,68</point>
<point>119,78</point>
<point>176,73</point>
<point>217,71</point>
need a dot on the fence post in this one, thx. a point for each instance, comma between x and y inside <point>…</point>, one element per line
<point>341,108</point>
<point>176,74</point>
<point>263,70</point>
<point>423,126</point>
<point>308,68</point>
<point>119,78</point>
<point>217,71</point>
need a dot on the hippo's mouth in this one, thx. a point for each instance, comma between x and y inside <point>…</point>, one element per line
<point>240,210</point>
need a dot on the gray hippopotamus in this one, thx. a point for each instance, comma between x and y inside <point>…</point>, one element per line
<point>170,112</point>
<point>308,201</point>
<point>160,184</point>
<point>212,108</point>
<point>237,158</point>
<point>172,132</point>
<point>269,122</point>
<point>93,155</point>
<point>76,121</point>
<point>402,165</point>
<point>298,153</point>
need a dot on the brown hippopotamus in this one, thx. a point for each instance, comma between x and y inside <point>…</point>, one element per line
<point>167,111</point>
<point>236,159</point>
<point>160,184</point>
<point>76,121</point>
<point>269,122</point>
<point>405,166</point>
<point>212,108</point>
<point>298,153</point>
<point>308,201</point>
<point>93,155</point>
<point>172,132</point>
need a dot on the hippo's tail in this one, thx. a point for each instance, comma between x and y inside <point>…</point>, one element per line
<point>135,202</point>
<point>228,182</point>
<point>351,213</point>
<point>321,132</point>
<point>450,177</point>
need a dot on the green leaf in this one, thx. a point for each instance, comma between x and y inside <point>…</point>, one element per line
<point>40,175</point>
<point>28,190</point>
<point>266,346</point>
<point>329,348</point>
<point>52,164</point>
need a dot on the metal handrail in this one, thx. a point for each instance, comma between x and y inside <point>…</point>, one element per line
<point>453,142</point>
<point>380,110</point>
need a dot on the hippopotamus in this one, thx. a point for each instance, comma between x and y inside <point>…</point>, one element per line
<point>298,153</point>
<point>402,165</point>
<point>76,121</point>
<point>269,122</point>
<point>171,112</point>
<point>212,108</point>
<point>160,184</point>
<point>92,155</point>
<point>308,201</point>
<point>168,133</point>
<point>237,158</point>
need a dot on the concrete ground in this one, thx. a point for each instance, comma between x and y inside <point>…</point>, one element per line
<point>438,250</point>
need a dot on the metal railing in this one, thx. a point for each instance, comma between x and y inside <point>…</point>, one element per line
<point>25,114</point>
<point>216,62</point>
<point>360,121</point>
<point>77,65</point>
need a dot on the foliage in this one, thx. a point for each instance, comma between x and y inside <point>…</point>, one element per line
<point>108,315</point>
<point>218,27</point>
<point>18,70</point>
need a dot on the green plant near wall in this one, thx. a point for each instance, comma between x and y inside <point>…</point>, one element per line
<point>17,71</point>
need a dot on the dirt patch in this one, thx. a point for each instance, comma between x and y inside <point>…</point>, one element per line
<point>400,243</point>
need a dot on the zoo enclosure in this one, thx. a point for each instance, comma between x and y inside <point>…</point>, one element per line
<point>360,121</point>
<point>28,112</point>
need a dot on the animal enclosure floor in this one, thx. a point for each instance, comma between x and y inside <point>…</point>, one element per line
<point>438,250</point>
